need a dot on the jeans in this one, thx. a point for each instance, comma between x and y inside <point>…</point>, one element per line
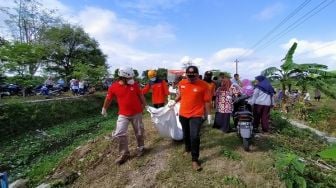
<point>191,135</point>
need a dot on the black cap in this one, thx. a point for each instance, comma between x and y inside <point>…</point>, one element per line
<point>191,71</point>
<point>208,73</point>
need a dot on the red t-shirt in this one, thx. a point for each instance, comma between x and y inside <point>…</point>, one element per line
<point>194,96</point>
<point>128,98</point>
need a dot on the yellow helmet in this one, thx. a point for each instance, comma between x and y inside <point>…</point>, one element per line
<point>151,74</point>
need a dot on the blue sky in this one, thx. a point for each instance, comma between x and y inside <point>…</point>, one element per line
<point>149,34</point>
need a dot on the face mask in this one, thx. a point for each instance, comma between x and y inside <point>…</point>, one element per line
<point>152,79</point>
<point>130,82</point>
<point>193,79</point>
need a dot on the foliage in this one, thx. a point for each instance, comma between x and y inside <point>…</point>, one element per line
<point>302,142</point>
<point>329,153</point>
<point>18,118</point>
<point>25,81</point>
<point>290,73</point>
<point>230,154</point>
<point>27,19</point>
<point>160,73</point>
<point>35,154</point>
<point>22,58</point>
<point>233,180</point>
<point>290,170</point>
<point>93,74</point>
<point>68,47</point>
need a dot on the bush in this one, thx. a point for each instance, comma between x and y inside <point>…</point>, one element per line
<point>17,118</point>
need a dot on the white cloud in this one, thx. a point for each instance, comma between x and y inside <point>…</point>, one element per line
<point>269,12</point>
<point>149,8</point>
<point>105,24</point>
<point>322,52</point>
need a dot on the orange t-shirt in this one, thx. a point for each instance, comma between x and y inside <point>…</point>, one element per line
<point>159,91</point>
<point>212,88</point>
<point>193,98</point>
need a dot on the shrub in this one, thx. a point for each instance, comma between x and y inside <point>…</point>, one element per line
<point>17,118</point>
<point>290,170</point>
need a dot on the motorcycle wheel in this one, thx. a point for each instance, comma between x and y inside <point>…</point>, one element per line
<point>246,144</point>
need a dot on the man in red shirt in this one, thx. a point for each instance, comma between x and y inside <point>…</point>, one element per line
<point>194,97</point>
<point>130,103</point>
<point>159,89</point>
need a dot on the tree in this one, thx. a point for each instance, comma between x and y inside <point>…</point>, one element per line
<point>68,47</point>
<point>21,58</point>
<point>290,73</point>
<point>27,20</point>
<point>91,73</point>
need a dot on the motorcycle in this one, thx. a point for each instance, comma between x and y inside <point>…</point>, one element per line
<point>243,118</point>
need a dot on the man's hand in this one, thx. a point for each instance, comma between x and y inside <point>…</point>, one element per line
<point>209,119</point>
<point>103,112</point>
<point>171,103</point>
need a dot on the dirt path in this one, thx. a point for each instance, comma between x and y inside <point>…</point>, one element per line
<point>137,172</point>
<point>224,161</point>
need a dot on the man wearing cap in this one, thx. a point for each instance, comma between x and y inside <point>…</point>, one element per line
<point>194,98</point>
<point>159,89</point>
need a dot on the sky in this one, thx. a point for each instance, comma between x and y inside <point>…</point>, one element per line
<point>212,34</point>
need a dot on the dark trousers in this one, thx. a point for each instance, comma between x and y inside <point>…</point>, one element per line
<point>222,121</point>
<point>191,135</point>
<point>261,112</point>
<point>158,105</point>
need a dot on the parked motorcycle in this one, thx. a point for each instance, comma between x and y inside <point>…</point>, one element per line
<point>243,118</point>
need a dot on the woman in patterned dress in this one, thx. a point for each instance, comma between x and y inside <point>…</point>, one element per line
<point>224,104</point>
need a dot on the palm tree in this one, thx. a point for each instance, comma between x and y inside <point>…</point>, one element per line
<point>291,73</point>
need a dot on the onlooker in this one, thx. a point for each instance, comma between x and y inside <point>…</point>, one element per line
<point>224,105</point>
<point>75,87</point>
<point>159,89</point>
<point>49,83</point>
<point>194,97</point>
<point>130,103</point>
<point>317,96</point>
<point>236,80</point>
<point>81,87</point>
<point>306,97</point>
<point>212,90</point>
<point>262,101</point>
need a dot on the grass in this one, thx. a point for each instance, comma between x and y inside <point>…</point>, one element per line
<point>36,154</point>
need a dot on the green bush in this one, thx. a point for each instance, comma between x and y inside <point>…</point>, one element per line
<point>290,170</point>
<point>17,118</point>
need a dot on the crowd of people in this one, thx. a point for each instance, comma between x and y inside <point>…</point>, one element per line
<point>76,86</point>
<point>198,99</point>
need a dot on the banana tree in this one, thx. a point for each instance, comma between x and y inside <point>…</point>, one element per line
<point>291,73</point>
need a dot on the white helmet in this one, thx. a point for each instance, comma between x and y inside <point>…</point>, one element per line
<point>126,72</point>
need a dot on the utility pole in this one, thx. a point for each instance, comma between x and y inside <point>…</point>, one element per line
<point>236,61</point>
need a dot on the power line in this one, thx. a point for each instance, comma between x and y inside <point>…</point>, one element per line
<point>298,22</point>
<point>288,17</point>
<point>317,49</point>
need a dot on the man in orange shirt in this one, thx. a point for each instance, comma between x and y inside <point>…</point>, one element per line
<point>194,98</point>
<point>131,104</point>
<point>159,89</point>
<point>212,87</point>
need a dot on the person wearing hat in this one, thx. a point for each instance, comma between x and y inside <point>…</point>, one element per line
<point>131,103</point>
<point>159,89</point>
<point>262,101</point>
<point>194,98</point>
